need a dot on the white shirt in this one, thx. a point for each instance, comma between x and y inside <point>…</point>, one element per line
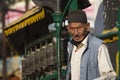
<point>103,56</point>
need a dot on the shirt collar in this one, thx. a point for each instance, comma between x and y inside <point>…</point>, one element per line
<point>84,42</point>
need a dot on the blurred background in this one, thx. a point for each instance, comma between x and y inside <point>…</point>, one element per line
<point>28,42</point>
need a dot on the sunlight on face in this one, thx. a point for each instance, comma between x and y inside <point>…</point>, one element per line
<point>78,30</point>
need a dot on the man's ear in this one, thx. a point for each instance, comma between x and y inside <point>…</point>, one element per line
<point>68,27</point>
<point>88,27</point>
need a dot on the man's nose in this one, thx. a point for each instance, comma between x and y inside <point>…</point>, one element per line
<point>75,31</point>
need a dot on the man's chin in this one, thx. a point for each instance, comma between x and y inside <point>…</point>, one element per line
<point>77,40</point>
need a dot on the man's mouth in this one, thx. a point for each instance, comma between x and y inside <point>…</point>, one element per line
<point>76,37</point>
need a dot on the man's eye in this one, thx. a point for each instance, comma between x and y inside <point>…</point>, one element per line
<point>79,27</point>
<point>72,28</point>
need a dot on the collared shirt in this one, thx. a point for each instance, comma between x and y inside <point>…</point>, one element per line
<point>103,56</point>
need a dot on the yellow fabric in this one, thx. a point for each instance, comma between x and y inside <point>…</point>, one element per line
<point>117,63</point>
<point>17,25</point>
<point>115,38</point>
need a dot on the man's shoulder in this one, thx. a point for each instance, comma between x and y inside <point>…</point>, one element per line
<point>96,41</point>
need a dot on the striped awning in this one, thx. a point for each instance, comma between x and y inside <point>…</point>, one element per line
<point>27,19</point>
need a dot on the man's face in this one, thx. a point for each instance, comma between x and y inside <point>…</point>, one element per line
<point>78,30</point>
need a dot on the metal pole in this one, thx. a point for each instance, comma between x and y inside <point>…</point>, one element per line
<point>58,7</point>
<point>58,51</point>
<point>56,18</point>
<point>57,26</point>
<point>27,4</point>
<point>4,49</point>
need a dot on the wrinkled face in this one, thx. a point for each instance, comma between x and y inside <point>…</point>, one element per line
<point>78,30</point>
